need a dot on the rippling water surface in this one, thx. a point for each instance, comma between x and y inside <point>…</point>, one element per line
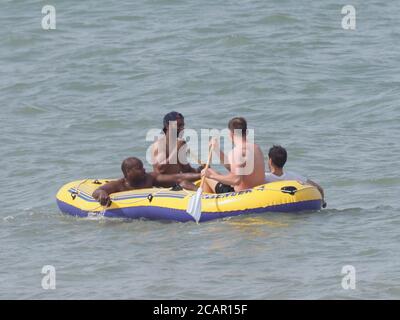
<point>77,100</point>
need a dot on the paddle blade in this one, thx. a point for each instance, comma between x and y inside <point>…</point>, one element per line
<point>194,207</point>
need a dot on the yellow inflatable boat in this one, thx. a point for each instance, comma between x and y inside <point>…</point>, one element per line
<point>75,198</point>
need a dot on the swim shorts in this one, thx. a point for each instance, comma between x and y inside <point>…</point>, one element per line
<point>223,188</point>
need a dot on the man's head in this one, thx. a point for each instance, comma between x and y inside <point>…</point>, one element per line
<point>277,157</point>
<point>133,169</point>
<point>173,116</point>
<point>238,127</point>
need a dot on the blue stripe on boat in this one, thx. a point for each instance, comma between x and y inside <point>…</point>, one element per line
<point>89,198</point>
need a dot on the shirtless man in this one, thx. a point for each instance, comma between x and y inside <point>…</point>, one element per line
<point>245,163</point>
<point>169,151</point>
<point>135,177</point>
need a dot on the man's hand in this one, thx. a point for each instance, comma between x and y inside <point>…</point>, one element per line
<point>104,198</point>
<point>209,173</point>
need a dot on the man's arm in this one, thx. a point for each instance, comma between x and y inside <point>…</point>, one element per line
<point>234,177</point>
<point>188,168</point>
<point>168,179</point>
<point>229,179</point>
<point>102,194</point>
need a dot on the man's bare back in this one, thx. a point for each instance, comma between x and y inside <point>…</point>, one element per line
<point>247,161</point>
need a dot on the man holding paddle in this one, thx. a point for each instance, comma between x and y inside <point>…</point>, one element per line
<point>245,163</point>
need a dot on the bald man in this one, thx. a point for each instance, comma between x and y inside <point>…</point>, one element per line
<point>135,177</point>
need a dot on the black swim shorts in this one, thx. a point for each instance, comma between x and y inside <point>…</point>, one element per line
<point>223,188</point>
<point>176,187</point>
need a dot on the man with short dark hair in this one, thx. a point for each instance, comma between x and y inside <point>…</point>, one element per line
<point>245,163</point>
<point>277,158</point>
<point>135,177</point>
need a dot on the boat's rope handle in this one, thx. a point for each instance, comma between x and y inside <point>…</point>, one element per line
<point>77,191</point>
